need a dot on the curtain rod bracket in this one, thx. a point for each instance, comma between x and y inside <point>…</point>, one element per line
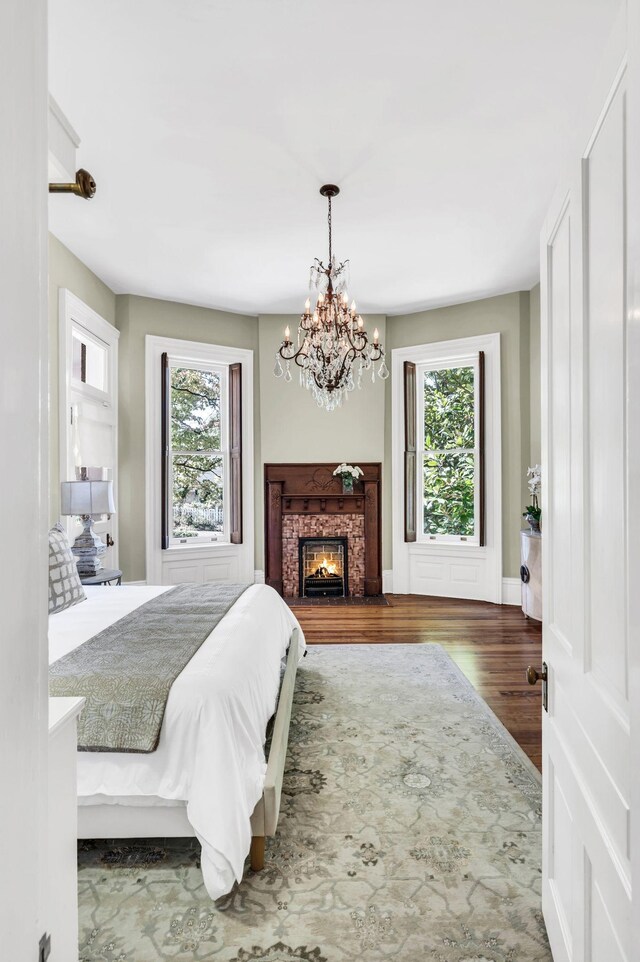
<point>85,186</point>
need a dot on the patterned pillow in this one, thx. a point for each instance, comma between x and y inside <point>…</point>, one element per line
<point>64,581</point>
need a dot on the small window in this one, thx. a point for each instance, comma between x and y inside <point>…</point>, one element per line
<point>89,359</point>
<point>449,451</point>
<point>198,454</point>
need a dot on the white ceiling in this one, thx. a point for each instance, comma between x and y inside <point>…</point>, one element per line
<point>209,126</point>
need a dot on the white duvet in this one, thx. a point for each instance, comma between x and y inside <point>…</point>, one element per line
<point>210,754</point>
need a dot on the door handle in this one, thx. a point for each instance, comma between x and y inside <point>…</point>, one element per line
<point>534,676</point>
<point>111,542</point>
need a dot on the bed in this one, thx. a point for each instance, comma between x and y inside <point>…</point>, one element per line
<point>208,776</point>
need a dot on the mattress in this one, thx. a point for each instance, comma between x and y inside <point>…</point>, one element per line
<point>211,750</point>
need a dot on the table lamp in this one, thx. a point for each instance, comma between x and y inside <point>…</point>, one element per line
<point>86,499</point>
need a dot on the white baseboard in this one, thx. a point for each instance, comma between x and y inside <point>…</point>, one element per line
<point>134,582</point>
<point>511,591</point>
<point>258,577</point>
<point>511,594</point>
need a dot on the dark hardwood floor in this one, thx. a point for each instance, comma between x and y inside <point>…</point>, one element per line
<point>492,644</point>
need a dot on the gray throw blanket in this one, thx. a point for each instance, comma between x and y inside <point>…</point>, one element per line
<point>126,671</point>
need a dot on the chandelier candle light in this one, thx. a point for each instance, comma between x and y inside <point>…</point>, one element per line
<point>332,339</point>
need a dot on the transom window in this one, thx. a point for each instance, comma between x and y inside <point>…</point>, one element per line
<point>449,450</point>
<point>89,363</point>
<point>198,452</point>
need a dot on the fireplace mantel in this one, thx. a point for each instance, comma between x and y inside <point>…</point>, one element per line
<point>311,489</point>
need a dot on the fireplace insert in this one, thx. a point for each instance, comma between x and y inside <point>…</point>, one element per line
<point>323,567</point>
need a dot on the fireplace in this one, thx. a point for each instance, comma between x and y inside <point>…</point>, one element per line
<point>307,501</point>
<point>323,565</point>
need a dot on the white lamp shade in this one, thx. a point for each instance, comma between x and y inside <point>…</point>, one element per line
<point>87,497</point>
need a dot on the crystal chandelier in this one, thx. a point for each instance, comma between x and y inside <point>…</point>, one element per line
<point>333,351</point>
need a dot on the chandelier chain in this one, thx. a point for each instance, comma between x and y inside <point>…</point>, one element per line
<point>329,222</point>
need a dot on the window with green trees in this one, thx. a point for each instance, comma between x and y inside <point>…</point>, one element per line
<point>198,456</point>
<point>450,453</point>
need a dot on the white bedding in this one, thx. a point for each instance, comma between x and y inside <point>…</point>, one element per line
<point>210,754</point>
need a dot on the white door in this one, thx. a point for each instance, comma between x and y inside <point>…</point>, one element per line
<point>23,477</point>
<point>89,408</point>
<point>587,760</point>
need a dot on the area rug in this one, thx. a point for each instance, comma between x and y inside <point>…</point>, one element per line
<point>410,830</point>
<point>336,602</point>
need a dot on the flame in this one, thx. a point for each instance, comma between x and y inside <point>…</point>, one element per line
<point>330,566</point>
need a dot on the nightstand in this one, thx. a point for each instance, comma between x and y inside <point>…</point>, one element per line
<point>104,577</point>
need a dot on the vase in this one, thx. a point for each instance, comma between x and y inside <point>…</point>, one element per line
<point>347,484</point>
<point>534,523</point>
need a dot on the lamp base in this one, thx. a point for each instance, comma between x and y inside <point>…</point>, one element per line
<point>88,549</point>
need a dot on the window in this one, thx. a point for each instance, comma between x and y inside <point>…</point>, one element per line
<point>202,457</point>
<point>88,408</point>
<point>89,362</point>
<point>198,453</point>
<point>446,468</point>
<point>449,456</point>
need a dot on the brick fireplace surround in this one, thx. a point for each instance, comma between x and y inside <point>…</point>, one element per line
<point>306,501</point>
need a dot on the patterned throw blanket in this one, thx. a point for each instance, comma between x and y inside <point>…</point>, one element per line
<point>126,671</point>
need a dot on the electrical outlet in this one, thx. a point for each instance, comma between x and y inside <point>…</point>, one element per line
<point>44,947</point>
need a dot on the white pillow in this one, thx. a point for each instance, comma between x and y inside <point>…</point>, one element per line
<point>64,581</point>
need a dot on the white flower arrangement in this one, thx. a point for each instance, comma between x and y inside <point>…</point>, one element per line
<point>533,512</point>
<point>349,471</point>
<point>534,481</point>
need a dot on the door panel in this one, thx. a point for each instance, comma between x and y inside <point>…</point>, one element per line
<point>604,189</point>
<point>559,509</point>
<point>586,732</point>
<point>603,940</point>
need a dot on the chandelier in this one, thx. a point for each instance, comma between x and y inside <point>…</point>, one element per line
<point>333,350</point>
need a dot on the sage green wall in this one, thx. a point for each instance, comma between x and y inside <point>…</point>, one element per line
<point>65,270</point>
<point>508,315</point>
<point>534,376</point>
<point>135,318</point>
<point>288,424</point>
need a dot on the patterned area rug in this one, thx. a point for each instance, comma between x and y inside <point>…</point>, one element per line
<point>409,831</point>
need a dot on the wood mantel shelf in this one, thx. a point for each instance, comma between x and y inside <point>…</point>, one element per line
<point>327,504</point>
<point>312,489</point>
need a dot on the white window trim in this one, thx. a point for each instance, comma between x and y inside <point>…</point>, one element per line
<point>421,369</point>
<point>223,371</point>
<point>197,353</point>
<point>488,558</point>
<point>72,310</point>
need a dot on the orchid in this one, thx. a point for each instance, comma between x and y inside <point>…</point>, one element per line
<point>534,483</point>
<point>534,480</point>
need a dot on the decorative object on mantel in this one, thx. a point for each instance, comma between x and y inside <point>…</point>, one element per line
<point>331,336</point>
<point>533,512</point>
<point>85,499</point>
<point>348,474</point>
